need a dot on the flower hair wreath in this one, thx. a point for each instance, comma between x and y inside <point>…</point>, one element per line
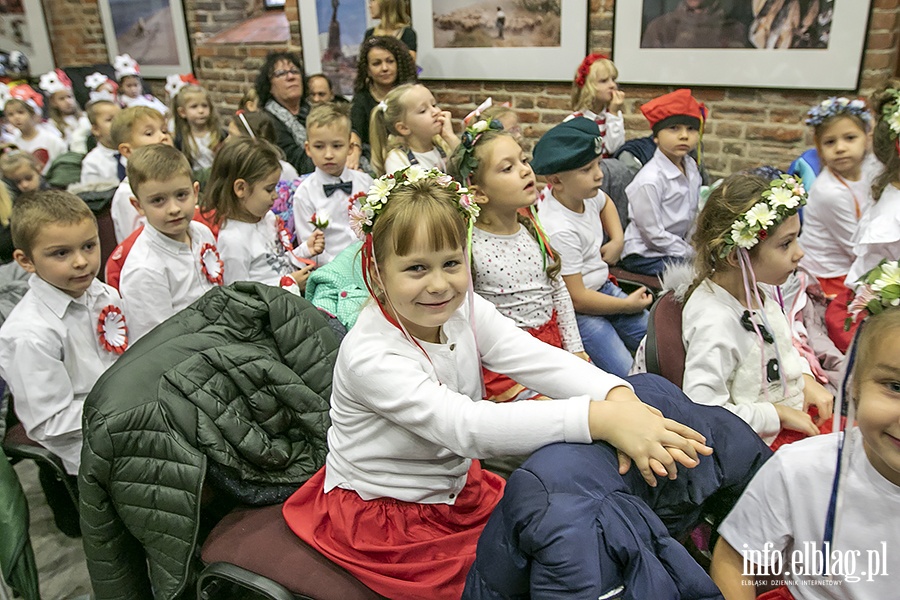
<point>783,198</point>
<point>363,218</point>
<point>468,163</point>
<point>879,290</point>
<point>833,107</point>
<point>891,113</point>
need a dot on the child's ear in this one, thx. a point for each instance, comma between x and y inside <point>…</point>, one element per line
<point>182,112</point>
<point>553,180</point>
<point>23,260</point>
<point>240,188</point>
<point>401,128</point>
<point>477,194</point>
<point>732,260</point>
<point>136,205</point>
<point>306,148</point>
<point>125,149</point>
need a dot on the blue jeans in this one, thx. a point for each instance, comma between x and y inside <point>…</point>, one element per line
<point>610,339</point>
<point>648,266</point>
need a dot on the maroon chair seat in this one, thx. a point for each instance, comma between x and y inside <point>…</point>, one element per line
<point>258,540</point>
<point>15,436</point>
<point>651,282</point>
<point>18,446</point>
<point>665,348</point>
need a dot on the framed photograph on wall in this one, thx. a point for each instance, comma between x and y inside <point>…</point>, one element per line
<point>22,28</point>
<point>506,40</point>
<point>812,44</point>
<point>332,31</point>
<point>153,32</point>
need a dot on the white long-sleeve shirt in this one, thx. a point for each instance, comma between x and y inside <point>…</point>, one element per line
<point>101,164</point>
<point>405,427</point>
<point>662,206</point>
<point>878,236</point>
<point>51,356</point>
<point>723,366</point>
<point>125,216</point>
<point>253,251</point>
<point>161,276</point>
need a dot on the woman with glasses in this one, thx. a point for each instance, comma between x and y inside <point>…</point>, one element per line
<point>281,94</point>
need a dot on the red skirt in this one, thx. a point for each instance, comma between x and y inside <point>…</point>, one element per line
<point>781,593</point>
<point>398,549</point>
<point>835,315</point>
<point>501,388</point>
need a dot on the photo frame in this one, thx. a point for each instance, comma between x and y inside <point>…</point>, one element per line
<point>474,41</point>
<point>153,32</point>
<point>23,28</point>
<point>332,32</point>
<point>821,49</point>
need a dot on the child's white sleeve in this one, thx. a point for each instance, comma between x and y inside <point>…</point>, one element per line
<point>565,316</point>
<point>645,210</point>
<point>149,300</point>
<point>124,215</point>
<point>235,258</point>
<point>711,359</point>
<point>395,160</point>
<point>762,515</point>
<point>37,378</point>
<point>615,131</point>
<point>303,211</point>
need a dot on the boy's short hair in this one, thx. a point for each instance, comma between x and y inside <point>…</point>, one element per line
<point>92,107</point>
<point>123,123</point>
<point>33,211</point>
<point>12,161</point>
<point>321,76</point>
<point>325,115</point>
<point>156,162</point>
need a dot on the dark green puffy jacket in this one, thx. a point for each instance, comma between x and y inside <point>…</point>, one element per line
<point>235,387</point>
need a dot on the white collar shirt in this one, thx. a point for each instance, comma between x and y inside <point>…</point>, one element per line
<point>100,164</point>
<point>253,251</point>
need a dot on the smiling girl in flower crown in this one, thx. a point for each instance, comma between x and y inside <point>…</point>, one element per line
<point>737,339</point>
<point>400,502</point>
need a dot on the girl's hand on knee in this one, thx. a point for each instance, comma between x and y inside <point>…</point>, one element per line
<point>796,420</point>
<point>638,300</point>
<point>815,394</point>
<point>654,444</point>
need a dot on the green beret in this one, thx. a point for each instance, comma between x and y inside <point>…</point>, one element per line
<point>568,146</point>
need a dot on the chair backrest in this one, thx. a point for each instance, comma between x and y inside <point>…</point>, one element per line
<point>665,349</point>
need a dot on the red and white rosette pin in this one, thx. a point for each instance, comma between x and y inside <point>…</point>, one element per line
<point>211,263</point>
<point>112,330</point>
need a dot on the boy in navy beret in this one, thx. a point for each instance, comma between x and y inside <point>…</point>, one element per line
<point>663,198</point>
<point>575,214</point>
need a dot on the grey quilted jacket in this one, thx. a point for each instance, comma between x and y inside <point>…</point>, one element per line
<point>232,392</point>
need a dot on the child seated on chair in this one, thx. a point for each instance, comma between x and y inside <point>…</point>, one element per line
<point>102,162</point>
<point>67,329</point>
<point>174,260</point>
<point>663,198</point>
<point>575,214</point>
<point>739,352</point>
<point>133,128</point>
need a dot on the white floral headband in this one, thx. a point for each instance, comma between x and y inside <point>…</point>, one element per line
<point>834,106</point>
<point>55,81</point>
<point>891,113</point>
<point>125,66</point>
<point>363,218</point>
<point>783,198</point>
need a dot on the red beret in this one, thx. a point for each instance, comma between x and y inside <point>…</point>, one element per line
<point>677,107</point>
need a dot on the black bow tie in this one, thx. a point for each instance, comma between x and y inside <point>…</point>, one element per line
<point>344,186</point>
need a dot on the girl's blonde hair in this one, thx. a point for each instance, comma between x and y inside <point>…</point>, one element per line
<point>476,177</point>
<point>884,141</point>
<point>59,119</point>
<point>736,195</point>
<point>421,204</point>
<point>382,134</point>
<point>585,97</point>
<point>12,160</point>
<point>874,329</point>
<point>251,95</point>
<point>183,128</point>
<point>250,159</point>
<point>5,205</point>
<point>394,13</point>
<point>15,102</point>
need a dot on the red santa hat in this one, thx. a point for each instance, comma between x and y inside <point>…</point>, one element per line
<point>675,108</point>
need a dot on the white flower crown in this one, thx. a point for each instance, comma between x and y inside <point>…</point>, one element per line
<point>783,198</point>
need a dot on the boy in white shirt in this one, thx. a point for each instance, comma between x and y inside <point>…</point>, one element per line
<point>174,260</point>
<point>327,192</point>
<point>67,329</point>
<point>102,163</point>
<point>133,128</point>
<point>664,197</point>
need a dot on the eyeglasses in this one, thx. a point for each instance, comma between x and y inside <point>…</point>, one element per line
<point>284,73</point>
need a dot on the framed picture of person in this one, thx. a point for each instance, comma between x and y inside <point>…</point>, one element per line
<point>332,31</point>
<point>152,32</point>
<point>813,44</point>
<point>23,29</point>
<point>506,40</point>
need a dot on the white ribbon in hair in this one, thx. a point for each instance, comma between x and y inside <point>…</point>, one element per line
<point>382,106</point>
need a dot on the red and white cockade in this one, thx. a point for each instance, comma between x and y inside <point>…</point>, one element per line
<point>211,264</point>
<point>112,330</point>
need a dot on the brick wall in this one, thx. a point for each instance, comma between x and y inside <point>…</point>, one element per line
<point>747,127</point>
<point>206,18</point>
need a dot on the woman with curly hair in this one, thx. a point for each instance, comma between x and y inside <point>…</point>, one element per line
<point>384,63</point>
